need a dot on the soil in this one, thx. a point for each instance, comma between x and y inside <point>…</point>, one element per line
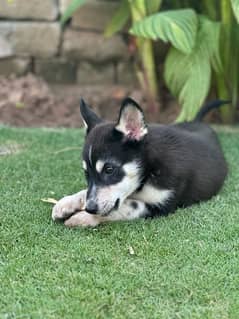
<point>30,102</point>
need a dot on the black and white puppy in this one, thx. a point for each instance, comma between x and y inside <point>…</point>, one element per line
<point>137,170</point>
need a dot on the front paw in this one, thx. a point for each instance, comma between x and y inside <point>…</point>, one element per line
<point>69,205</point>
<point>83,219</point>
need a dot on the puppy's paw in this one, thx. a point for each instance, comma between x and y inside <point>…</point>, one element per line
<point>69,205</point>
<point>83,219</point>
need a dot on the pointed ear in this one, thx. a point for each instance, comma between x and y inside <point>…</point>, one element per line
<point>131,121</point>
<point>90,119</point>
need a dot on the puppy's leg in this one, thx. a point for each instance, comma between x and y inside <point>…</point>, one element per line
<point>69,205</point>
<point>130,209</point>
<point>84,219</point>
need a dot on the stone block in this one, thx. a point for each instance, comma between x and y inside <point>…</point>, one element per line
<point>125,73</point>
<point>89,73</point>
<point>29,9</point>
<point>63,4</point>
<point>38,39</point>
<point>93,47</point>
<point>17,66</point>
<point>5,48</point>
<point>94,15</point>
<point>56,70</point>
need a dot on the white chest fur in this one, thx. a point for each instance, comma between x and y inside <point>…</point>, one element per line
<point>152,195</point>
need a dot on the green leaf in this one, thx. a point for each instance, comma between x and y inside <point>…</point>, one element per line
<point>73,6</point>
<point>179,27</point>
<point>235,8</point>
<point>188,76</point>
<point>153,6</point>
<point>211,32</point>
<point>119,19</point>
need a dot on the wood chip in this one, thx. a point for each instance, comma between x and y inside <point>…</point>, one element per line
<point>49,200</point>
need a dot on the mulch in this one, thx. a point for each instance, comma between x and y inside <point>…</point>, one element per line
<point>30,102</point>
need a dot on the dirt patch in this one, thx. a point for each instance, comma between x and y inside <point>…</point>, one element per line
<point>29,101</point>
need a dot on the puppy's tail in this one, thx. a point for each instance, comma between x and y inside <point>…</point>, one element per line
<point>208,107</point>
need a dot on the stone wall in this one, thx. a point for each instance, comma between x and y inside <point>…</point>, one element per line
<point>32,40</point>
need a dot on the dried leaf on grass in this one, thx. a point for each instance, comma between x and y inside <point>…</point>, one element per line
<point>49,200</point>
<point>131,250</point>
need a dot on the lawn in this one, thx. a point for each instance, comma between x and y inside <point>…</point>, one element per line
<point>184,266</point>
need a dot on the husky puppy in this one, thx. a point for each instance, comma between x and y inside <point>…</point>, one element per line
<point>135,170</point>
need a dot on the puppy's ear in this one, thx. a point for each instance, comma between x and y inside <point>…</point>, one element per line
<point>131,121</point>
<point>90,119</point>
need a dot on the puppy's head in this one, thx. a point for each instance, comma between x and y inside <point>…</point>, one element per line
<point>113,156</point>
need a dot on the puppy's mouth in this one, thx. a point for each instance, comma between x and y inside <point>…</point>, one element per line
<point>117,202</point>
<point>115,207</point>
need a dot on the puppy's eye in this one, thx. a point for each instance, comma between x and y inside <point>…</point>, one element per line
<point>108,169</point>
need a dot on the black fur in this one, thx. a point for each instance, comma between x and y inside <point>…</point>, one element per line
<point>208,107</point>
<point>190,161</point>
<point>134,205</point>
<point>89,116</point>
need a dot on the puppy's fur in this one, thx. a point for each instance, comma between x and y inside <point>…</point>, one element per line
<point>136,170</point>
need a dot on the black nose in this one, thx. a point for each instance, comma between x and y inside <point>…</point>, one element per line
<point>91,207</point>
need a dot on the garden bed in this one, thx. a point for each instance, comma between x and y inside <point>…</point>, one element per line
<point>29,101</point>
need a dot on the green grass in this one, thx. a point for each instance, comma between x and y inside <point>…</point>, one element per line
<point>184,266</point>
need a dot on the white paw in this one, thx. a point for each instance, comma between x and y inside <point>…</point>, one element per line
<point>83,219</point>
<point>69,205</point>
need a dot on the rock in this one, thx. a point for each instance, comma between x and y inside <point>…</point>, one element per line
<point>38,39</point>
<point>17,66</point>
<point>56,70</point>
<point>25,9</point>
<point>94,15</point>
<point>90,46</point>
<point>5,48</point>
<point>89,73</point>
<point>126,74</point>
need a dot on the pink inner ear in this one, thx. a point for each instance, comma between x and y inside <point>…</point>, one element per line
<point>133,126</point>
<point>131,123</point>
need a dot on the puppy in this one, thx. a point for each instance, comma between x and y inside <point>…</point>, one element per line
<point>134,170</point>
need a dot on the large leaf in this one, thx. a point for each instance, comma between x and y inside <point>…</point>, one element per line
<point>235,7</point>
<point>188,76</point>
<point>73,6</point>
<point>153,6</point>
<point>119,19</point>
<point>210,32</point>
<point>179,27</point>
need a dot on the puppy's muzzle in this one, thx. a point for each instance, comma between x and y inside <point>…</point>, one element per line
<point>91,207</point>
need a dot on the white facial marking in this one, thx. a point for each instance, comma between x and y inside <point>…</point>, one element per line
<point>152,195</point>
<point>131,169</point>
<point>90,154</point>
<point>84,165</point>
<point>107,196</point>
<point>99,166</point>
